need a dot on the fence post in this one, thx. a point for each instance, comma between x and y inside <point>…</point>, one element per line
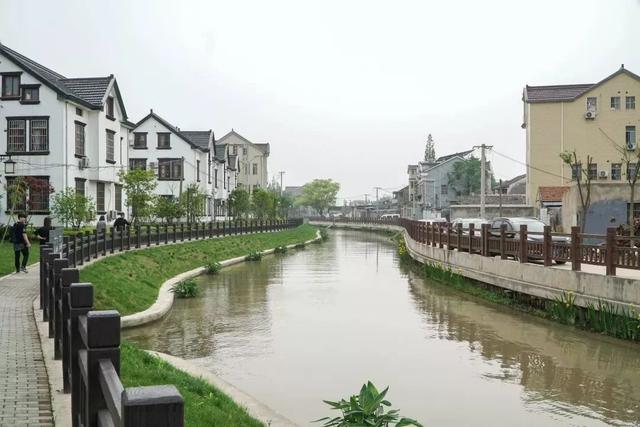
<point>50,287</point>
<point>102,342</point>
<point>148,235</point>
<point>182,231</point>
<point>80,300</point>
<point>224,229</point>
<point>69,276</point>
<point>576,256</point>
<point>56,321</point>
<point>503,241</point>
<point>81,248</point>
<point>459,237</point>
<point>210,229</point>
<point>65,247</point>
<point>612,252</point>
<point>523,250</point>
<point>166,234</point>
<point>96,248</point>
<point>546,246</point>
<point>44,251</point>
<point>157,234</point>
<point>484,235</point>
<point>152,406</point>
<point>129,237</point>
<point>448,236</point>
<point>122,239</point>
<point>113,239</point>
<point>440,244</point>
<point>189,231</point>
<point>472,233</point>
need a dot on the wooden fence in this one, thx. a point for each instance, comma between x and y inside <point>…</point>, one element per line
<point>88,341</point>
<point>610,250</point>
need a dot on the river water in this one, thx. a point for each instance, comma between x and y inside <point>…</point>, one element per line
<point>317,323</point>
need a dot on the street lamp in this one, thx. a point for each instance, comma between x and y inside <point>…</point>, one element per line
<point>9,165</point>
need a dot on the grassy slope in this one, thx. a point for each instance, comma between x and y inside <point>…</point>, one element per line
<point>129,282</point>
<point>204,404</point>
<point>6,257</point>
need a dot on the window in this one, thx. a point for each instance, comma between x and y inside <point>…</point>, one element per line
<point>616,171</point>
<point>234,149</point>
<point>109,111</point>
<point>80,139</point>
<point>36,194</point>
<point>170,169</point>
<point>164,140</point>
<point>118,197</point>
<point>576,170</point>
<point>137,164</point>
<point>100,197</point>
<point>593,171</point>
<point>80,186</point>
<point>630,102</point>
<point>198,170</point>
<point>244,151</point>
<point>630,137</point>
<point>78,112</point>
<point>140,140</point>
<point>30,94</point>
<point>631,170</point>
<point>215,177</point>
<point>110,146</point>
<point>255,169</point>
<point>592,103</point>
<point>615,102</point>
<point>16,135</point>
<point>39,131</point>
<point>444,189</point>
<point>11,85</point>
<point>636,210</point>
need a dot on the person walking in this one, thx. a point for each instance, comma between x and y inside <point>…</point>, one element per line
<point>42,233</point>
<point>101,225</point>
<point>21,243</point>
<point>120,223</point>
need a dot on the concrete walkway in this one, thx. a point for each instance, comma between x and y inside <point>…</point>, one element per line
<point>24,386</point>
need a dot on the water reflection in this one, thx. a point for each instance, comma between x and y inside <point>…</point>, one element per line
<point>314,324</point>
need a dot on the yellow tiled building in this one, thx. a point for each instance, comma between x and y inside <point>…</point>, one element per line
<point>592,119</point>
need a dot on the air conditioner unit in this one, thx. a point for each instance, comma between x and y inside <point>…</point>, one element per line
<point>603,174</point>
<point>590,115</point>
<point>83,163</point>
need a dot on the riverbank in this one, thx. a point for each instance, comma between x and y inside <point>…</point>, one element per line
<point>130,282</point>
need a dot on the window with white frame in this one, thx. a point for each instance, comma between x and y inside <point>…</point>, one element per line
<point>170,169</point>
<point>110,146</point>
<point>615,102</point>
<point>39,135</point>
<point>630,102</point>
<point>80,138</point>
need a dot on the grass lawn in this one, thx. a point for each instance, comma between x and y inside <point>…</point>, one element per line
<point>204,404</point>
<point>129,282</point>
<point>7,257</point>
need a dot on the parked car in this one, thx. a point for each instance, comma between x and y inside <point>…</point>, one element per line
<point>477,223</point>
<point>389,216</point>
<point>533,226</point>
<point>433,220</point>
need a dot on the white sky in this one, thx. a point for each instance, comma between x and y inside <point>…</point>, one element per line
<point>346,90</point>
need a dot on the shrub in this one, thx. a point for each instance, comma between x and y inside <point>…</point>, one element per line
<point>366,409</point>
<point>280,250</point>
<point>185,289</point>
<point>213,267</point>
<point>254,255</point>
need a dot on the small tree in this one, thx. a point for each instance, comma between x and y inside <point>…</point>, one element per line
<point>138,185</point>
<point>430,150</point>
<point>72,208</point>
<point>168,209</point>
<point>465,177</point>
<point>583,181</point>
<point>319,194</point>
<point>285,202</point>
<point>192,202</point>
<point>263,203</point>
<point>240,203</point>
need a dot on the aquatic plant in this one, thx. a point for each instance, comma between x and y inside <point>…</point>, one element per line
<point>254,255</point>
<point>185,289</point>
<point>324,234</point>
<point>280,250</point>
<point>366,409</point>
<point>213,267</point>
<point>564,308</point>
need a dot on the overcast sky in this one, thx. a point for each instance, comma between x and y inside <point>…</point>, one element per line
<point>346,90</point>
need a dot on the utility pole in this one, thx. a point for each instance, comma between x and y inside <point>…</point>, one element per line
<point>377,202</point>
<point>483,176</point>
<point>281,187</point>
<point>500,197</point>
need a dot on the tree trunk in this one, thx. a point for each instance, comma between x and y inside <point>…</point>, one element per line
<point>632,225</point>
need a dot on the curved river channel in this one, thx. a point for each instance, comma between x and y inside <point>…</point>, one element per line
<point>315,324</point>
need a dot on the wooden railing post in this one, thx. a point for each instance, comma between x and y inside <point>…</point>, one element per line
<point>96,248</point>
<point>122,229</point>
<point>448,236</point>
<point>129,237</point>
<point>152,406</point>
<point>56,308</point>
<point>523,243</point>
<point>113,240</point>
<point>210,229</point>
<point>45,250</point>
<point>138,236</point>
<point>484,233</point>
<point>148,235</point>
<point>472,233</point>
<point>459,237</point>
<point>576,253</point>
<point>166,234</point>
<point>50,291</point>
<point>80,300</point>
<point>69,276</point>
<point>102,342</point>
<point>503,241</point>
<point>440,243</point>
<point>546,246</point>
<point>157,234</point>
<point>611,252</point>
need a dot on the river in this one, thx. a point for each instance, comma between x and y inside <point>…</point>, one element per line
<point>317,323</point>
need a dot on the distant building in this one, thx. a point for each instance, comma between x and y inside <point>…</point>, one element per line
<point>515,185</point>
<point>251,160</point>
<point>403,202</point>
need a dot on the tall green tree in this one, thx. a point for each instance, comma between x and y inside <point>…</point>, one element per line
<point>193,202</point>
<point>465,177</point>
<point>72,208</point>
<point>319,194</point>
<point>138,185</point>
<point>430,150</point>
<point>168,209</point>
<point>263,203</point>
<point>285,203</point>
<point>240,203</point>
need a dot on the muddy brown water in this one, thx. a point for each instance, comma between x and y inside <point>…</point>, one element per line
<point>315,324</point>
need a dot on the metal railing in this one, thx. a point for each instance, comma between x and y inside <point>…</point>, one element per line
<point>610,250</point>
<point>88,341</point>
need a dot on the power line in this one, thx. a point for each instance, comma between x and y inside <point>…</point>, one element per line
<point>532,167</point>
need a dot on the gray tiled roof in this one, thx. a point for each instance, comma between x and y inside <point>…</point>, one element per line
<point>89,92</point>
<point>199,137</point>
<point>555,93</point>
<point>172,128</point>
<point>449,156</point>
<point>219,151</point>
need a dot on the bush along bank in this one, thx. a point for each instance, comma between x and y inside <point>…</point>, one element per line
<point>129,282</point>
<point>602,318</point>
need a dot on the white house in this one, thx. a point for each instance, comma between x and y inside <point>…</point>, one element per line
<point>252,160</point>
<point>179,158</point>
<point>61,132</point>
<point>225,178</point>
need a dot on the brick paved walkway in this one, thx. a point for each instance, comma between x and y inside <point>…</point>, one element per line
<point>24,386</point>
